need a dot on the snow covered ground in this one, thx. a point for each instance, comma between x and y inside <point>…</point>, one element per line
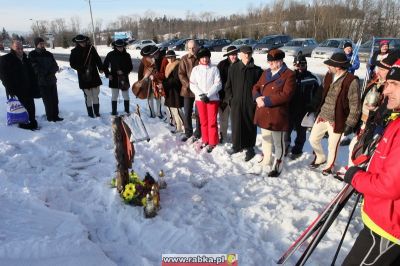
<point>57,208</point>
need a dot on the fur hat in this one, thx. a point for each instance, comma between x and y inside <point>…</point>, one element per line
<point>170,53</point>
<point>148,50</point>
<point>80,38</point>
<point>347,44</point>
<point>275,54</point>
<point>388,61</point>
<point>394,72</point>
<point>37,40</point>
<point>246,49</point>
<point>203,52</point>
<point>338,60</point>
<point>231,50</point>
<point>299,60</point>
<point>119,43</point>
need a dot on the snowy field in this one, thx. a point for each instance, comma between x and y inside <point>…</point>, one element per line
<point>57,207</point>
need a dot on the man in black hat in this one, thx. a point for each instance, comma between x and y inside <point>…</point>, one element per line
<point>338,112</point>
<point>18,78</point>
<point>45,68</point>
<point>302,102</point>
<point>224,109</point>
<point>238,94</point>
<point>87,62</point>
<point>120,63</point>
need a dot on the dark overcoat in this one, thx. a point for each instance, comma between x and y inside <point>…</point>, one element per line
<point>86,57</point>
<point>238,94</point>
<point>117,60</point>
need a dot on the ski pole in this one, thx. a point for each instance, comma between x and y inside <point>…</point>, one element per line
<point>345,230</point>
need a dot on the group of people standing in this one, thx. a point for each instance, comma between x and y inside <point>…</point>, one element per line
<point>30,77</point>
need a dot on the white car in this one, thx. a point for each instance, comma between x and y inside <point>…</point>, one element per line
<point>299,46</point>
<point>138,45</point>
<point>328,47</point>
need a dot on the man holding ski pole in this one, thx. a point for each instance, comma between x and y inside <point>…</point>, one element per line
<point>379,242</point>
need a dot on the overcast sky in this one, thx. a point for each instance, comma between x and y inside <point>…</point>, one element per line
<point>16,15</point>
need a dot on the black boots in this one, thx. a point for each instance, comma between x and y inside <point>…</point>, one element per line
<point>96,108</point>
<point>90,111</point>
<point>114,107</point>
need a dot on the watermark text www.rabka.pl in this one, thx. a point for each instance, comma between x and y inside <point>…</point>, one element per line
<point>199,259</point>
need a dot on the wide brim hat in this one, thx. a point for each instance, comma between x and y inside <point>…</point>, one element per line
<point>148,50</point>
<point>246,49</point>
<point>231,50</point>
<point>170,53</point>
<point>203,52</point>
<point>119,43</point>
<point>80,38</point>
<point>275,54</point>
<point>388,61</point>
<point>338,60</point>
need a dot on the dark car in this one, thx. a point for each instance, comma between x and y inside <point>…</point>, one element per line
<point>365,49</point>
<point>270,42</point>
<point>217,44</point>
<point>166,44</point>
<point>181,44</point>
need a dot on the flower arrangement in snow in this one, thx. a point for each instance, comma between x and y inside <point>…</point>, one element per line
<point>138,192</point>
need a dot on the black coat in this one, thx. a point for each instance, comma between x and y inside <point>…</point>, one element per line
<point>303,99</point>
<point>172,87</point>
<point>18,77</point>
<point>223,68</point>
<point>117,61</point>
<point>44,66</point>
<point>77,61</point>
<point>238,93</point>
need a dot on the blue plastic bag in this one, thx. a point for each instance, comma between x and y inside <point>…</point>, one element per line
<point>16,112</point>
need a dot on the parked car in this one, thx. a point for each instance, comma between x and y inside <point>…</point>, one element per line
<point>270,42</point>
<point>166,44</point>
<point>300,46</point>
<point>239,43</point>
<point>181,44</point>
<point>217,44</point>
<point>138,45</point>
<point>365,48</point>
<point>328,47</point>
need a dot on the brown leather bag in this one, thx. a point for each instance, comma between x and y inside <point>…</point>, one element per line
<point>141,88</point>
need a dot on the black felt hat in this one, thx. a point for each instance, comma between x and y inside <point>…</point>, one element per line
<point>338,60</point>
<point>170,53</point>
<point>148,50</point>
<point>203,52</point>
<point>80,38</point>
<point>231,50</point>
<point>119,43</point>
<point>388,61</point>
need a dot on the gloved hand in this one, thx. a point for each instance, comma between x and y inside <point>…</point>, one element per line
<point>348,130</point>
<point>204,98</point>
<point>223,105</point>
<point>348,177</point>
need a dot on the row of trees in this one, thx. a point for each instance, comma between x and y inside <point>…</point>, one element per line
<point>320,19</point>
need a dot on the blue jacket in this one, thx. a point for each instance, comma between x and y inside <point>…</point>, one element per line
<point>355,65</point>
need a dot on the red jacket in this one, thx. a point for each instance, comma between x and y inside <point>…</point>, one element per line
<point>278,91</point>
<point>380,185</point>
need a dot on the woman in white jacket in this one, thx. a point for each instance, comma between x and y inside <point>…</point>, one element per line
<point>205,83</point>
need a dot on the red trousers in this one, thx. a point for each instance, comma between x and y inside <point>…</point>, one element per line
<point>208,120</point>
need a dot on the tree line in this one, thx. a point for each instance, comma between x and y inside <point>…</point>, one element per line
<point>319,19</point>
